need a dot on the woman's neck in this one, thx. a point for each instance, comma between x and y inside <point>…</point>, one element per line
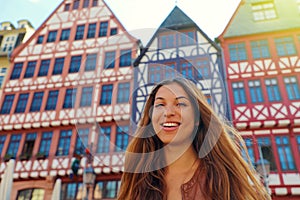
<point>184,162</point>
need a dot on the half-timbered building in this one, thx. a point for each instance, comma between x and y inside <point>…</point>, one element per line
<point>66,97</point>
<point>180,48</point>
<point>261,45</point>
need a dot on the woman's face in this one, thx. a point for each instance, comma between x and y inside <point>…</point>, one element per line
<point>173,114</point>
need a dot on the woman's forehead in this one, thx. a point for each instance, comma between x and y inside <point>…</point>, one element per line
<point>171,90</point>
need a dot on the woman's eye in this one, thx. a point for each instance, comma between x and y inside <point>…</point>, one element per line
<point>158,105</point>
<point>181,104</point>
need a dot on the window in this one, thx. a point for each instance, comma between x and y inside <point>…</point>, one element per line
<point>90,62</point>
<point>28,145</point>
<point>52,36</point>
<point>285,46</point>
<point>16,71</point>
<point>70,98</point>
<point>1,80</point>
<point>75,64</point>
<point>298,142</point>
<point>272,90</point>
<point>71,191</point>
<point>86,96</point>
<point>40,39</point>
<point>65,34</point>
<point>33,193</point>
<point>106,94</point>
<point>260,49</point>
<point>187,38</point>
<point>91,30</point>
<point>255,91</point>
<point>203,67</point>
<point>52,100</point>
<point>37,101</point>
<point>122,138</point>
<point>103,29</point>
<point>44,67</point>
<point>3,70</point>
<point>95,3</point>
<point>79,32</point>
<point>285,153</point>
<point>104,139</point>
<point>22,102</point>
<point>7,103</point>
<point>239,94</point>
<point>45,143</point>
<point>58,66</point>
<point>292,87</point>
<point>30,69</point>
<point>237,52</point>
<point>113,31</point>
<point>76,4</point>
<point>67,7</point>
<point>109,61</point>
<point>264,11</point>
<point>123,93</point>
<point>167,41</point>
<point>2,141</point>
<point>158,72</point>
<point>125,58</point>
<point>249,145</point>
<point>264,143</point>
<point>186,69</point>
<point>82,140</point>
<point>86,3</point>
<point>108,189</point>
<point>64,143</point>
<point>14,145</point>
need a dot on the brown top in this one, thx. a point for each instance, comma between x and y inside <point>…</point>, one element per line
<point>191,190</point>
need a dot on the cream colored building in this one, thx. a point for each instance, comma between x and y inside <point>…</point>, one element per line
<point>10,38</point>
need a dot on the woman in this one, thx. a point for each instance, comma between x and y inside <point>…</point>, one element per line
<point>182,150</point>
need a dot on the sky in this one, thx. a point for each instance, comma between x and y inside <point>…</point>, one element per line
<point>211,16</point>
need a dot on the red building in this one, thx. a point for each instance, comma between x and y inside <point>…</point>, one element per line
<point>261,45</point>
<point>67,92</point>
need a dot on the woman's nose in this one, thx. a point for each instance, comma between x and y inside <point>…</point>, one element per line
<point>169,111</point>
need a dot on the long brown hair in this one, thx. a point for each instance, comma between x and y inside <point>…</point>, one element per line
<point>227,175</point>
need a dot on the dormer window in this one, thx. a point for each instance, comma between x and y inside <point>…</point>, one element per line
<point>264,11</point>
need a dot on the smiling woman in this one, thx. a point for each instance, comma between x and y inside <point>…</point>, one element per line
<point>182,150</point>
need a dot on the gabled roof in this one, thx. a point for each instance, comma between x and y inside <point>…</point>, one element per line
<point>242,22</point>
<point>177,18</point>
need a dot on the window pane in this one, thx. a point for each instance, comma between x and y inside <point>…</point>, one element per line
<point>14,144</point>
<point>30,69</point>
<point>52,100</point>
<point>7,104</point>
<point>104,139</point>
<point>91,61</point>
<point>45,143</point>
<point>285,153</point>
<point>79,32</point>
<point>64,143</point>
<point>239,93</point>
<point>125,59</point>
<point>106,95</point>
<point>58,66</point>
<point>75,64</point>
<point>22,103</point>
<point>292,87</point>
<point>70,98</point>
<point>65,34</point>
<point>44,67</point>
<point>16,71</point>
<point>86,96</point>
<point>103,29</point>
<point>109,61</point>
<point>52,36</point>
<point>37,101</point>
<point>91,30</point>
<point>123,93</point>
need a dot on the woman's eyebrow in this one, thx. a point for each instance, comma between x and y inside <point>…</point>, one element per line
<point>177,98</point>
